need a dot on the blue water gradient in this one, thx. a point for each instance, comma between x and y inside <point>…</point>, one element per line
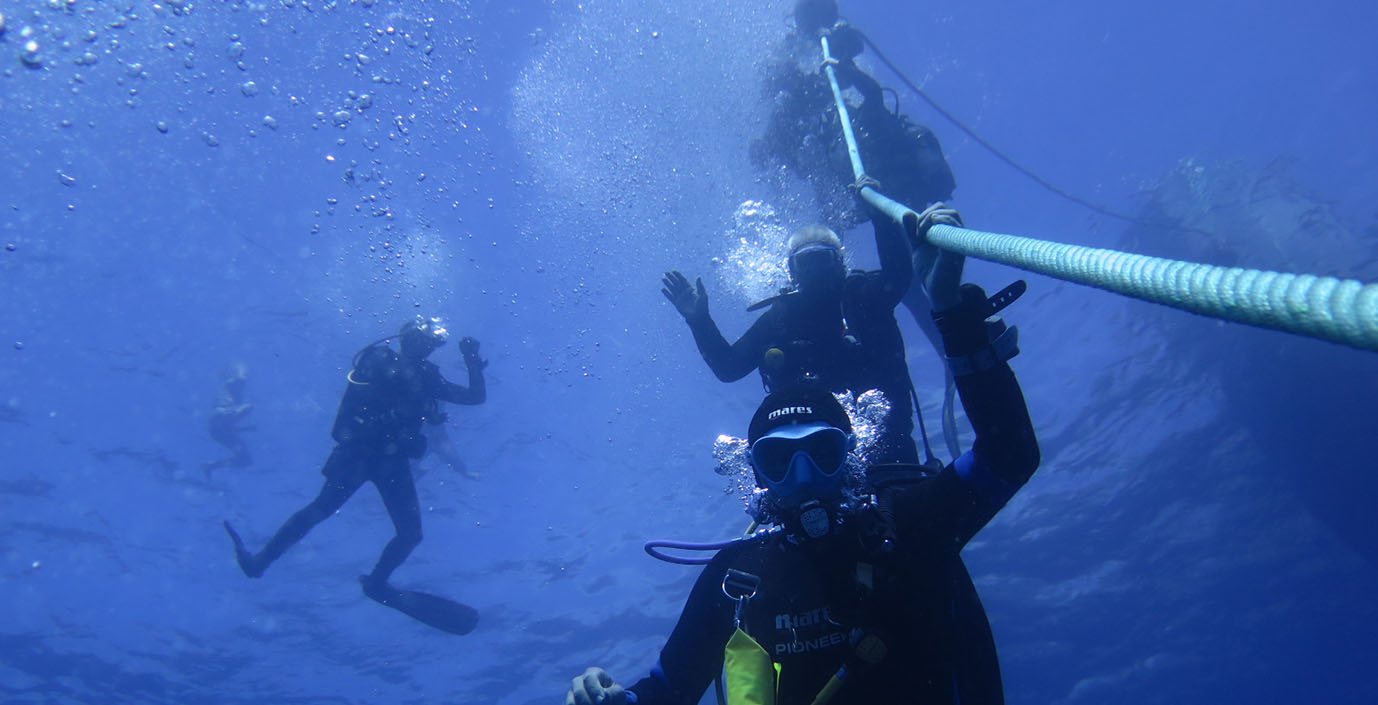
<point>1201,528</point>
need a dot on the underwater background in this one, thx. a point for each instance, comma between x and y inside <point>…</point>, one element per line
<point>186,186</point>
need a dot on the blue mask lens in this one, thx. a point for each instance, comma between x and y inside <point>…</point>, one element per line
<point>781,454</point>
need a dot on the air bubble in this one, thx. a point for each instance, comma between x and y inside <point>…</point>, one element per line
<point>30,56</point>
<point>249,89</point>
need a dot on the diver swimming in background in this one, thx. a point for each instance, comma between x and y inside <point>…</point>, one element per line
<point>860,596</point>
<point>225,419</point>
<point>377,432</point>
<point>832,327</point>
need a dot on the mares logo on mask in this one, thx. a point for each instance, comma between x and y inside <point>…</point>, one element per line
<point>789,410</point>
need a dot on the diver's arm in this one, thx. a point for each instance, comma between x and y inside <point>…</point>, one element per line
<point>475,393</point>
<point>848,73</point>
<point>896,263</point>
<point>1005,453</point>
<point>693,655</point>
<point>969,492</point>
<point>596,686</point>
<point>729,362</point>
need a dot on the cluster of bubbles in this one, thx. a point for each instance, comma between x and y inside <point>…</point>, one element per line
<point>372,87</point>
<point>867,412</point>
<point>625,153</point>
<point>29,53</point>
<point>754,268</point>
<point>40,33</point>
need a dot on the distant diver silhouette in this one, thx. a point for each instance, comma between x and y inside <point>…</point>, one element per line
<point>378,432</point>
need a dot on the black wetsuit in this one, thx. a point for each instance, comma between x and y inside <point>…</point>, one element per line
<point>378,431</point>
<point>923,607</point>
<point>849,345</point>
<point>804,135</point>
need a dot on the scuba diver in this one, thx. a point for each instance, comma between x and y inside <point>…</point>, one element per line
<point>903,160</point>
<point>801,135</point>
<point>224,422</point>
<point>831,327</point>
<point>858,594</point>
<point>377,433</point>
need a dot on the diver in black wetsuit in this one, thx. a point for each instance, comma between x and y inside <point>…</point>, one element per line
<point>834,328</point>
<point>863,590</point>
<point>802,136</point>
<point>378,431</point>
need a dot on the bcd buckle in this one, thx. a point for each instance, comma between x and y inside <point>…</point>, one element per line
<point>739,587</point>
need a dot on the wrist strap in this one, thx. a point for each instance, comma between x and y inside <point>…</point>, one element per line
<point>999,351</point>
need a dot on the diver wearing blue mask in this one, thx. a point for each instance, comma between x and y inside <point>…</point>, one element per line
<point>802,466</point>
<point>861,595</point>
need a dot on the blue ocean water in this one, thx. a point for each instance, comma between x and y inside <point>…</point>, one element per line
<point>188,185</point>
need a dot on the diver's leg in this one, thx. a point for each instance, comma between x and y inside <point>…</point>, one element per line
<point>398,491</point>
<point>341,481</point>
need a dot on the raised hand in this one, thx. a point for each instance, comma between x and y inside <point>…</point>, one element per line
<point>468,349</point>
<point>944,273</point>
<point>691,301</point>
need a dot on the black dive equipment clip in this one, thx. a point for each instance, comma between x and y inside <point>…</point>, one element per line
<point>739,587</point>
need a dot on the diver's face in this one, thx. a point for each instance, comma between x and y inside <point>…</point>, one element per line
<point>417,347</point>
<point>801,468</point>
<point>818,268</point>
<point>801,461</point>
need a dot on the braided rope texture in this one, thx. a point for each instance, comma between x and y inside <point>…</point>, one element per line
<point>1340,310</point>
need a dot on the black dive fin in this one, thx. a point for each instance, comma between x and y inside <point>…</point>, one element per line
<point>431,610</point>
<point>242,556</point>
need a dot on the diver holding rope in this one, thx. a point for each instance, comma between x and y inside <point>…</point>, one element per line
<point>801,136</point>
<point>857,593</point>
